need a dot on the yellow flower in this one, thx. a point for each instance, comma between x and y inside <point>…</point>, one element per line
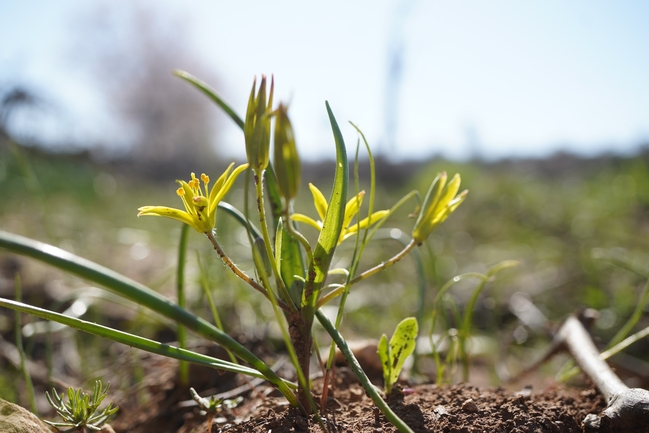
<point>351,209</point>
<point>440,202</point>
<point>200,202</point>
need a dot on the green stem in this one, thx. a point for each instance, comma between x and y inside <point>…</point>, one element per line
<point>412,244</point>
<point>259,191</point>
<point>183,367</point>
<point>302,380</point>
<point>239,273</point>
<point>360,374</point>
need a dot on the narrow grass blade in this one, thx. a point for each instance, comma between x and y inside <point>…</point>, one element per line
<point>211,93</point>
<point>19,345</point>
<point>133,340</point>
<point>140,294</point>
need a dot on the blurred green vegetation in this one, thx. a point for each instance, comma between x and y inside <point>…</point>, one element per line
<point>549,214</point>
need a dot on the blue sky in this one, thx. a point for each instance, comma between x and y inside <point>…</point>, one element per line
<point>499,78</point>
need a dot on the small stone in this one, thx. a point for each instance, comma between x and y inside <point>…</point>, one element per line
<point>16,419</point>
<point>441,411</point>
<point>469,406</point>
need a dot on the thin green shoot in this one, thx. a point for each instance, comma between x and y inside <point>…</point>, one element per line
<point>21,351</point>
<point>183,367</point>
<point>465,329</point>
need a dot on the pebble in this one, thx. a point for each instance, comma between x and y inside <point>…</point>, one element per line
<point>469,406</point>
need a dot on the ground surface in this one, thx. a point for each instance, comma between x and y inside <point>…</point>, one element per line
<point>425,408</point>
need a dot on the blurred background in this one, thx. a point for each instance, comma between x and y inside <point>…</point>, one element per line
<point>420,78</point>
<point>541,107</point>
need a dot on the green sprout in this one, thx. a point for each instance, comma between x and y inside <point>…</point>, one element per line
<point>213,405</point>
<point>393,355</point>
<point>78,413</point>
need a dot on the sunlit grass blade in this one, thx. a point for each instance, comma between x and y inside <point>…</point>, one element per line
<point>211,93</point>
<point>140,294</point>
<point>133,340</point>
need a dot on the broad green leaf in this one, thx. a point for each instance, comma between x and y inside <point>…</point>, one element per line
<point>139,294</point>
<point>402,344</point>
<point>333,224</point>
<point>384,355</point>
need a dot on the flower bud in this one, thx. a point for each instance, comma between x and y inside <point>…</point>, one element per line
<point>441,200</point>
<point>287,161</point>
<point>257,125</point>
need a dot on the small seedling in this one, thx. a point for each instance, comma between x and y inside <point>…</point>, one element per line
<point>78,413</point>
<point>401,346</point>
<point>214,405</point>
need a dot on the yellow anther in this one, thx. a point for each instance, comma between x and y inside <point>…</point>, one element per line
<point>180,192</point>
<point>205,178</point>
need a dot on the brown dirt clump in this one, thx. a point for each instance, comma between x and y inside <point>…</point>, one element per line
<point>428,408</point>
<point>425,408</point>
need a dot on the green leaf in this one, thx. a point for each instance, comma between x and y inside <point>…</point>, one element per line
<point>402,344</point>
<point>211,93</point>
<point>333,224</point>
<point>132,340</point>
<point>384,355</point>
<point>139,294</point>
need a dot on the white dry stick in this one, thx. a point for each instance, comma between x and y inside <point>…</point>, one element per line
<point>628,408</point>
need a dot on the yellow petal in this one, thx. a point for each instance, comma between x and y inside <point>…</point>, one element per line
<point>172,213</point>
<point>319,201</point>
<point>375,217</point>
<point>214,200</point>
<point>352,207</point>
<point>219,183</point>
<point>298,217</point>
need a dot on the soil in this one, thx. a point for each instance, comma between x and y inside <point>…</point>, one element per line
<point>425,408</point>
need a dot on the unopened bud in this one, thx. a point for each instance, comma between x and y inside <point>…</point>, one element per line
<point>441,200</point>
<point>287,161</point>
<point>257,126</point>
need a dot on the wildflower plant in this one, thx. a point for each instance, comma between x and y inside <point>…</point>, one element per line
<point>80,413</point>
<point>290,272</point>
